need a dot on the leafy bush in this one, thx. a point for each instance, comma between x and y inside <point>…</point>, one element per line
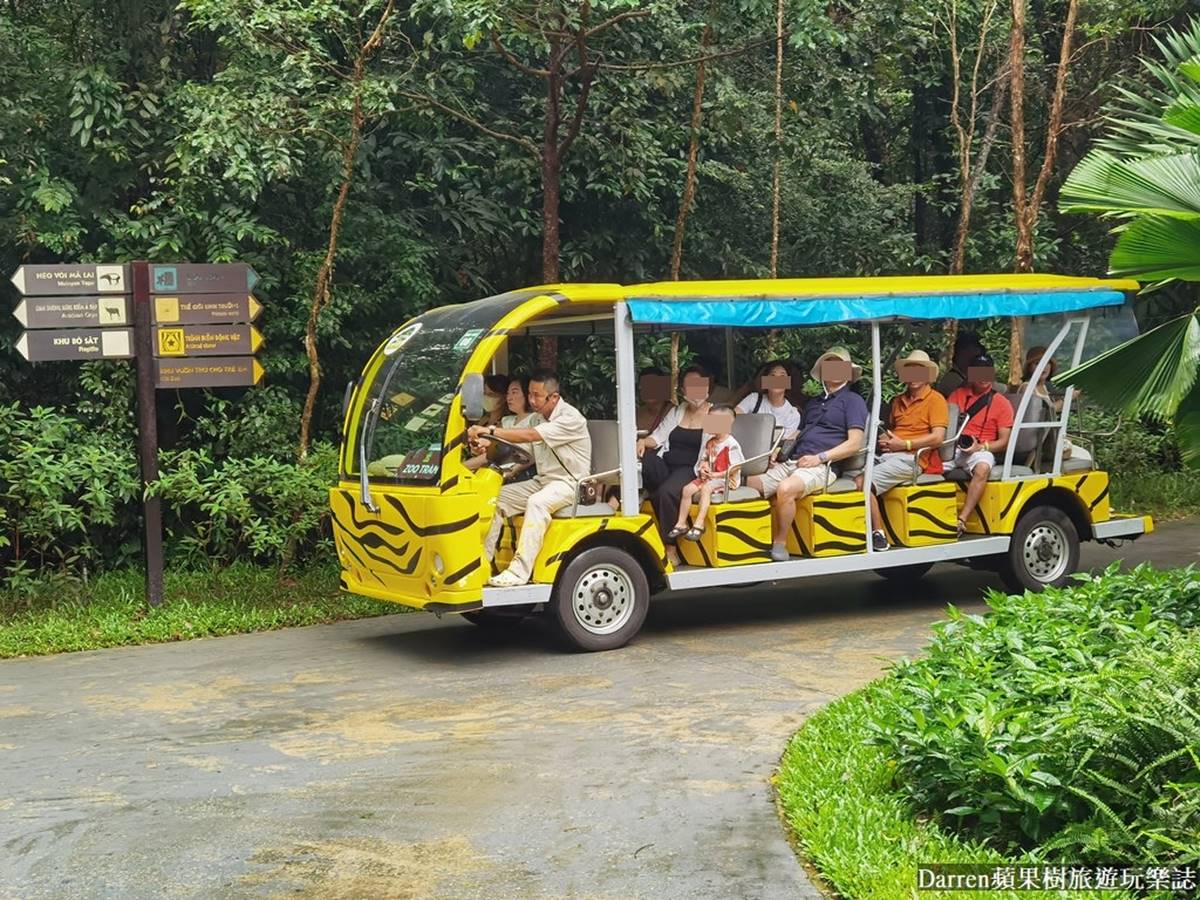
<point>66,495</point>
<point>250,508</point>
<point>1064,722</point>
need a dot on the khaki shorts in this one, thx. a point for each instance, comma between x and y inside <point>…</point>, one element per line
<point>815,479</point>
<point>892,470</point>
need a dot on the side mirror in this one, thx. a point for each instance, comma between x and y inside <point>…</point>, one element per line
<point>472,397</point>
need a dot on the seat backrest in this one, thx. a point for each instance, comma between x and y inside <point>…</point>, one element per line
<point>754,433</point>
<point>1028,439</point>
<point>955,419</point>
<point>605,445</point>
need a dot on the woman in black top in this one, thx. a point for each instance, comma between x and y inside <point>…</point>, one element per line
<point>670,452</point>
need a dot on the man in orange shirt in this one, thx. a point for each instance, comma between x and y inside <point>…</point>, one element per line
<point>918,422</point>
<point>989,424</point>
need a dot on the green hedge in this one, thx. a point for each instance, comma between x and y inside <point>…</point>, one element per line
<point>1064,721</point>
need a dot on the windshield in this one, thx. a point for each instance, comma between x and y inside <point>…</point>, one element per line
<point>406,404</point>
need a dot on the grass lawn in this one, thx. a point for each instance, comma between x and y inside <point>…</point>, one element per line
<point>1166,496</point>
<point>111,610</point>
<point>835,793</point>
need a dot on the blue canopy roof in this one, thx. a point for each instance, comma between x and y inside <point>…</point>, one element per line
<point>783,311</point>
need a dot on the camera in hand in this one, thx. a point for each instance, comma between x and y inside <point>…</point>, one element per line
<point>965,441</point>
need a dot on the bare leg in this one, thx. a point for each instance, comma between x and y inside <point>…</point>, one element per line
<point>979,479</point>
<point>876,517</point>
<point>755,481</point>
<point>783,508</point>
<point>685,503</point>
<point>706,493</point>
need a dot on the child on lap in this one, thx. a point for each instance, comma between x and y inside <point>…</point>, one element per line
<point>719,453</point>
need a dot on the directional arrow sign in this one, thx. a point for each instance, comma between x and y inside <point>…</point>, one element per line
<point>72,312</point>
<point>206,340</point>
<point>56,280</point>
<point>76,344</point>
<point>194,278</point>
<point>235,371</point>
<point>203,309</point>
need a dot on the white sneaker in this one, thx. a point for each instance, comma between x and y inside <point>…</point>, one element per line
<point>507,579</point>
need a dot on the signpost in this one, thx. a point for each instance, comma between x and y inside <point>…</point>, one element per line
<point>179,311</point>
<point>76,344</point>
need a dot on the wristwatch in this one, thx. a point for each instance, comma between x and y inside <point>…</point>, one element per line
<point>823,456</point>
<point>492,430</point>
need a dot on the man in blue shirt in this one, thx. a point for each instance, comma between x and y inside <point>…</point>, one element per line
<point>832,429</point>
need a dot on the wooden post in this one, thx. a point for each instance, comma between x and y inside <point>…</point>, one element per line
<point>143,338</point>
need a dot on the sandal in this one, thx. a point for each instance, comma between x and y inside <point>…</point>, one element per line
<point>962,527</point>
<point>677,532</point>
<point>693,534</point>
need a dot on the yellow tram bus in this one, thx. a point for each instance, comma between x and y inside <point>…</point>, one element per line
<point>409,517</point>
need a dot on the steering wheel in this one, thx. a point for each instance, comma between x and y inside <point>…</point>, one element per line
<point>521,455</point>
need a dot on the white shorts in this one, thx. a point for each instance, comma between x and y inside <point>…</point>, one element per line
<point>968,461</point>
<point>892,470</point>
<point>814,480</point>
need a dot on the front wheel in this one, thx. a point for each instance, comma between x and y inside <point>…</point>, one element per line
<point>601,598</point>
<point>1044,551</point>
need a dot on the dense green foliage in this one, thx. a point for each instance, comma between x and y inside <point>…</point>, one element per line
<point>1066,722</point>
<point>1062,727</point>
<point>215,130</point>
<point>1145,174</point>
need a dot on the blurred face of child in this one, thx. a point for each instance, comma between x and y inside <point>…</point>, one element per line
<point>719,423</point>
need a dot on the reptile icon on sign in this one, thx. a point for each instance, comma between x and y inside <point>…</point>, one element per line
<point>170,342</point>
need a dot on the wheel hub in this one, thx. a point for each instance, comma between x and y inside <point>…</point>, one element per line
<point>602,600</point>
<point>1045,552</point>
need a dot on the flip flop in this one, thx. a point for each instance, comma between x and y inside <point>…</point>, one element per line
<point>693,534</point>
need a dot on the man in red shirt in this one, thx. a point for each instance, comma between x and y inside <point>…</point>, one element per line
<point>990,421</point>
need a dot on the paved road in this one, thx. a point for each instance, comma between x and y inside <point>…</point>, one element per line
<point>407,757</point>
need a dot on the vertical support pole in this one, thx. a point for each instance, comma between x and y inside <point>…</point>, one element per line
<point>1019,422</point>
<point>626,408</point>
<point>872,426</point>
<point>143,337</point>
<point>1068,397</point>
<point>729,348</point>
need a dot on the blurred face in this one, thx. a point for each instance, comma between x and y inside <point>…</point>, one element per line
<point>775,378</point>
<point>695,388</point>
<point>718,423</point>
<point>539,398</point>
<point>654,388</point>
<point>913,375</point>
<point>835,371</point>
<point>491,400</point>
<point>516,398</point>
<point>981,378</point>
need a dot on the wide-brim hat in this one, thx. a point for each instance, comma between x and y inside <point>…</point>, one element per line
<point>840,353</point>
<point>919,358</point>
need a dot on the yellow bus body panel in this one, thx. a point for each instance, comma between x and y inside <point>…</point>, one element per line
<point>829,525</point>
<point>1003,501</point>
<point>734,534</point>
<point>919,515</point>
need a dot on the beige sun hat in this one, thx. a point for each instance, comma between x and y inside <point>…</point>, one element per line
<point>836,353</point>
<point>919,358</point>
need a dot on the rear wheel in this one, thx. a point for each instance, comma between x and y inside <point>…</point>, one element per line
<point>601,598</point>
<point>1044,551</point>
<point>905,574</point>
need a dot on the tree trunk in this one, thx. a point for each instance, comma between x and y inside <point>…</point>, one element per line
<point>689,178</point>
<point>962,230</point>
<point>775,186</point>
<point>1016,62</point>
<point>324,280</point>
<point>551,181</point>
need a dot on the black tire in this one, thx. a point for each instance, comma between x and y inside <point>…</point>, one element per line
<point>600,599</point>
<point>905,574</point>
<point>1044,551</point>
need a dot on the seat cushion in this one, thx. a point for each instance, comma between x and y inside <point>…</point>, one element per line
<point>929,479</point>
<point>1077,465</point>
<point>585,509</point>
<point>841,486</point>
<point>956,474</point>
<point>742,493</point>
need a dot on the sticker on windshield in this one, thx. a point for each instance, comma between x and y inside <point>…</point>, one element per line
<point>400,338</point>
<point>416,423</point>
<point>469,337</point>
